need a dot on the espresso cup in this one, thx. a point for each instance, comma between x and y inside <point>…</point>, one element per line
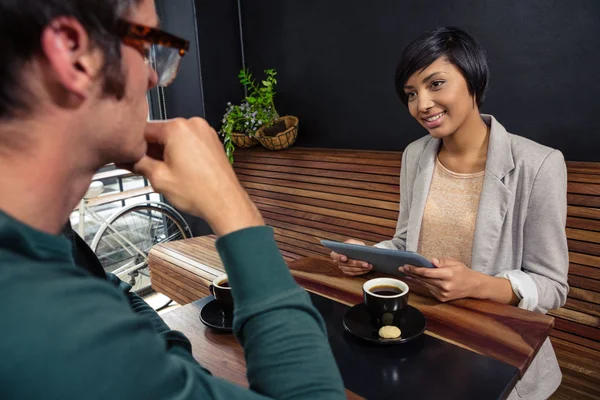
<point>385,299</point>
<point>222,292</point>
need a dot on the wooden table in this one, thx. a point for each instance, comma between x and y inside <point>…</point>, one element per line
<point>496,332</point>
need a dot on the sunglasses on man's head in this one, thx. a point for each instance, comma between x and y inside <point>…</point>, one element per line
<point>165,53</point>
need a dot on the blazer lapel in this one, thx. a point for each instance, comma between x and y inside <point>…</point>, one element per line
<point>495,196</point>
<point>420,192</point>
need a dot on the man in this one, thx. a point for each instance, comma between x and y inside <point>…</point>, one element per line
<point>73,78</point>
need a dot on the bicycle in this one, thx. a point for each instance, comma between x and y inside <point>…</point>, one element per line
<point>125,238</point>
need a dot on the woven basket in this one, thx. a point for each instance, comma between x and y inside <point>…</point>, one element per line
<point>243,141</point>
<point>284,139</point>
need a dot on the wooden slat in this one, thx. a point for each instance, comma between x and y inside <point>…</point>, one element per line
<point>580,368</point>
<point>584,259</point>
<point>349,215</point>
<point>304,249</point>
<point>316,233</point>
<point>591,344</point>
<point>127,194</point>
<point>583,212</point>
<point>583,223</point>
<point>170,293</point>
<point>357,158</point>
<point>390,217</point>
<point>329,188</point>
<point>184,296</point>
<point>299,250</point>
<point>588,248</point>
<point>586,236</point>
<point>354,176</point>
<point>584,283</point>
<point>583,188</point>
<point>327,199</point>
<point>345,182</point>
<point>576,316</point>
<point>583,200</point>
<point>583,306</point>
<point>590,357</point>
<point>301,238</point>
<point>567,392</point>
<point>583,178</point>
<point>180,285</point>
<point>577,329</point>
<point>318,228</point>
<point>579,167</point>
<point>586,295</point>
<point>349,166</point>
<point>348,153</point>
<point>341,222</point>
<point>584,271</point>
<point>189,276</point>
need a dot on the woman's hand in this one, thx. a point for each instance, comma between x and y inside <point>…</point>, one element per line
<point>451,279</point>
<point>349,266</point>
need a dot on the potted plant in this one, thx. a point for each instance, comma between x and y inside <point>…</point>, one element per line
<point>256,119</point>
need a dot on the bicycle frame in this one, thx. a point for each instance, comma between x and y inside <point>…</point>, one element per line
<point>122,240</point>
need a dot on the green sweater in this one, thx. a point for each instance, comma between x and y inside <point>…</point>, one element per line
<point>67,334</point>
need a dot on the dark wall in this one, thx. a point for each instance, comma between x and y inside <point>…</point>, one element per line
<point>184,97</point>
<point>336,62</point>
<point>220,55</point>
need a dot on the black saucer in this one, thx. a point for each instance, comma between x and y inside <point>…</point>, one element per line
<point>358,322</point>
<point>211,315</point>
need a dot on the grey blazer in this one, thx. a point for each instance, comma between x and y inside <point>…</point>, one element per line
<point>520,226</point>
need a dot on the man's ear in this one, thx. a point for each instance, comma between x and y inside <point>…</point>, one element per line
<point>71,54</point>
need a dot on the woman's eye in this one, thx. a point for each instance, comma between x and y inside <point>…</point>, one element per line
<point>436,84</point>
<point>410,95</point>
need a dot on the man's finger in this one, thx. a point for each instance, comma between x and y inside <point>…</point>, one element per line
<point>146,166</point>
<point>157,132</point>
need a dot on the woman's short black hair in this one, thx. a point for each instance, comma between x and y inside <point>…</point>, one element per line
<point>460,48</point>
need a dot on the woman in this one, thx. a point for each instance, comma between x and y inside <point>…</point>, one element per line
<point>487,207</point>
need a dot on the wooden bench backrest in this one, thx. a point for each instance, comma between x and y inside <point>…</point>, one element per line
<point>311,194</point>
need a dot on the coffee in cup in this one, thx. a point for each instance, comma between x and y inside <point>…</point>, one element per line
<point>385,298</point>
<point>221,290</point>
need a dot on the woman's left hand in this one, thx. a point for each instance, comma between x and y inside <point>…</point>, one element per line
<point>451,279</point>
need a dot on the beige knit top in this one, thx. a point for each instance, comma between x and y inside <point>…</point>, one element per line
<point>450,213</point>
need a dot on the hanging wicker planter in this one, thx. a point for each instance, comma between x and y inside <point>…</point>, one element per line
<point>243,141</point>
<point>282,140</point>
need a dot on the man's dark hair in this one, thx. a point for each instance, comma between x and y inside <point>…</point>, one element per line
<point>21,25</point>
<point>460,48</point>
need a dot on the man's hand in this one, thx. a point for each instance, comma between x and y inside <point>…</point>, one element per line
<point>186,163</point>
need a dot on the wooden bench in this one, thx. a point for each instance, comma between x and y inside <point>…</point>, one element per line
<point>311,194</point>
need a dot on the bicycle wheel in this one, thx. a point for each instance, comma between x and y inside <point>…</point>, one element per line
<point>123,242</point>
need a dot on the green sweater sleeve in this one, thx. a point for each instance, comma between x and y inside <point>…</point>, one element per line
<point>70,337</point>
<point>284,338</point>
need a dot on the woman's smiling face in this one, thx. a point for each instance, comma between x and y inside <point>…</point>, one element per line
<point>439,98</point>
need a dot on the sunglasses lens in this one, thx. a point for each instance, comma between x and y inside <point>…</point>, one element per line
<point>166,62</point>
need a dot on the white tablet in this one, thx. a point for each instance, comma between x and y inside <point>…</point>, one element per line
<point>383,260</point>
